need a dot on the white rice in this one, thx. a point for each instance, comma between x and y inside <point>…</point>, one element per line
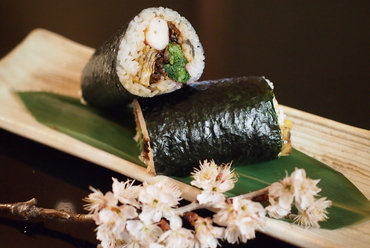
<point>133,43</point>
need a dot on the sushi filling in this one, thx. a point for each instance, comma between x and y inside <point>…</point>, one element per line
<point>142,138</point>
<point>285,127</point>
<point>164,57</point>
<point>284,124</point>
<point>159,52</point>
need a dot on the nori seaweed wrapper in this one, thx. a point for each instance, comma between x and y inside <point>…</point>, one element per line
<point>226,120</point>
<point>100,85</point>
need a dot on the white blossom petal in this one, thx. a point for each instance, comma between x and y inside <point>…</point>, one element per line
<point>156,245</point>
<point>126,192</point>
<point>97,200</point>
<point>283,191</point>
<point>241,217</point>
<point>315,213</point>
<point>206,234</point>
<point>233,235</point>
<point>158,201</point>
<point>277,211</point>
<point>143,233</point>
<point>211,177</point>
<point>210,197</point>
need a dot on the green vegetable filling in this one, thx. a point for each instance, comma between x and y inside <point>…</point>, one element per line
<point>175,68</point>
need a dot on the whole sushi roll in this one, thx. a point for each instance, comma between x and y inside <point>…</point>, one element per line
<point>232,119</point>
<point>155,53</point>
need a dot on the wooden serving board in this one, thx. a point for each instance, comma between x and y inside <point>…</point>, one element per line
<point>46,61</point>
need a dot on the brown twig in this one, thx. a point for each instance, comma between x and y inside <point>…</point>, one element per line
<point>191,207</point>
<point>28,209</point>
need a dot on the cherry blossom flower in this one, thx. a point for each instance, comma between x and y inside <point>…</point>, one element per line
<point>233,234</point>
<point>205,175</point>
<point>282,192</point>
<point>111,221</point>
<point>97,200</point>
<point>300,190</point>
<point>206,234</point>
<point>315,213</point>
<point>305,189</point>
<point>116,214</point>
<point>241,217</point>
<point>177,236</point>
<point>111,239</point>
<point>214,180</point>
<point>275,210</point>
<point>142,233</point>
<point>158,200</point>
<point>210,197</point>
<point>105,235</point>
<point>126,192</point>
<point>169,188</point>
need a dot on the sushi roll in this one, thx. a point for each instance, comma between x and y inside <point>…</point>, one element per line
<point>157,52</point>
<point>232,119</point>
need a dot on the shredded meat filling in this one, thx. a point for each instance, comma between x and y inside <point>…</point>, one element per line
<point>174,33</point>
<point>145,153</point>
<point>162,57</point>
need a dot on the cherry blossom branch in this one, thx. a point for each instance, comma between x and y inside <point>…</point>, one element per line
<point>28,209</point>
<point>191,207</point>
<point>196,205</point>
<point>254,194</point>
<point>129,214</point>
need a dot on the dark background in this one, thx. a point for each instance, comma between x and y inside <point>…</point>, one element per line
<point>315,52</point>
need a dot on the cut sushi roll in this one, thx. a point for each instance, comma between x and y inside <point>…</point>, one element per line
<point>156,53</point>
<point>233,119</point>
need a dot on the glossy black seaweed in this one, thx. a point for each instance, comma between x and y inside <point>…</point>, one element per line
<point>100,85</point>
<point>226,120</point>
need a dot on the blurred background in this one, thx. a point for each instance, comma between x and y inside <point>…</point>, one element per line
<point>315,52</point>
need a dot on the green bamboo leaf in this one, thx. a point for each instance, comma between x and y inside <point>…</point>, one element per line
<point>113,132</point>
